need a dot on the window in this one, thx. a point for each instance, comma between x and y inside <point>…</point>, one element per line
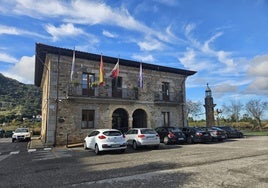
<point>166,118</point>
<point>117,87</point>
<point>88,84</point>
<point>117,82</point>
<point>87,119</point>
<point>165,91</point>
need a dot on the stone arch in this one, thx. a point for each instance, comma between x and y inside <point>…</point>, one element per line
<point>139,117</point>
<point>120,119</point>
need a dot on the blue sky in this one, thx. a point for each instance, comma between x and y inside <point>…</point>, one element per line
<point>224,41</point>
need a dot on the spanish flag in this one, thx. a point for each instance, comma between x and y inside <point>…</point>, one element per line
<point>101,78</point>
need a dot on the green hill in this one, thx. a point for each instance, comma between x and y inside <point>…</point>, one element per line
<point>18,100</point>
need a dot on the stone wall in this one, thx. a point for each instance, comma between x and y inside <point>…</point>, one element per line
<point>65,118</point>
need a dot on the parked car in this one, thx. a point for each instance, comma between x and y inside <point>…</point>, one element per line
<point>196,135</point>
<point>232,132</point>
<point>170,135</point>
<point>2,132</point>
<point>137,137</point>
<point>216,133</point>
<point>9,133</point>
<point>21,134</point>
<point>105,140</point>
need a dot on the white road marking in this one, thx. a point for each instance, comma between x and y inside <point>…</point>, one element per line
<point>14,152</point>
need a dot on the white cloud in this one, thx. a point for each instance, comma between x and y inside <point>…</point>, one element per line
<point>258,66</point>
<point>23,70</point>
<point>190,61</point>
<point>86,13</point>
<point>64,30</point>
<point>226,88</point>
<point>143,58</point>
<point>109,34</point>
<point>7,58</point>
<point>39,8</point>
<point>257,71</point>
<point>8,30</point>
<point>150,44</point>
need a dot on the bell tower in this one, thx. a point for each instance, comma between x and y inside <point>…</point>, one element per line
<point>209,107</point>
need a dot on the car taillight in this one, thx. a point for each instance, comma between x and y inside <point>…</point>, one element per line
<point>171,135</point>
<point>102,137</point>
<point>218,133</point>
<point>123,136</point>
<point>141,135</point>
<point>199,134</point>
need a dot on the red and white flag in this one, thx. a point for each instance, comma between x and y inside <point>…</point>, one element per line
<point>115,72</point>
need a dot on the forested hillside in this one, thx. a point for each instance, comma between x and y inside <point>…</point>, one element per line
<point>18,100</point>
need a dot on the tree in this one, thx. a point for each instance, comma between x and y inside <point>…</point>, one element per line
<point>233,109</point>
<point>194,108</point>
<point>256,108</point>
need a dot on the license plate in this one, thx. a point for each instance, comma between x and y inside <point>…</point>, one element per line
<point>180,139</point>
<point>115,145</point>
<point>222,136</point>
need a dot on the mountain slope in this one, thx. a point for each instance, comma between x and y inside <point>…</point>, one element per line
<point>18,100</point>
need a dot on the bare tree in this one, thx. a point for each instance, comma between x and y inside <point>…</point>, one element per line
<point>256,108</point>
<point>233,109</point>
<point>194,108</point>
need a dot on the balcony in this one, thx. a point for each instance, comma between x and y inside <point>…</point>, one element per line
<point>170,97</point>
<point>79,90</point>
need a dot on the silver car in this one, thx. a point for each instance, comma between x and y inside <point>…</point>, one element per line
<point>137,137</point>
<point>21,134</point>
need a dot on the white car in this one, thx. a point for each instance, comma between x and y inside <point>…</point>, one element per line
<point>105,140</point>
<point>21,134</point>
<point>142,137</point>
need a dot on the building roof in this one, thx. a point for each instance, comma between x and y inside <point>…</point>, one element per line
<point>41,50</point>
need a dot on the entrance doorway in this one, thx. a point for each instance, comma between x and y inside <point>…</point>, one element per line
<point>120,120</point>
<point>139,119</point>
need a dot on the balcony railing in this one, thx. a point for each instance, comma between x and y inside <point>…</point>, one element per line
<point>176,97</point>
<point>79,90</point>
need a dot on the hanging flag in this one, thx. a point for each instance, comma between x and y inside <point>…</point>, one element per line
<point>115,72</point>
<point>140,77</point>
<point>73,62</point>
<point>101,78</point>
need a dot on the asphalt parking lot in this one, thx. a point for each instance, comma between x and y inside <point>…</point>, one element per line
<point>233,163</point>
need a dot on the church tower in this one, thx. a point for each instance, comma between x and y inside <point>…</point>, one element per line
<point>209,107</point>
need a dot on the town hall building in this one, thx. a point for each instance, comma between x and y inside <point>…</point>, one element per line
<point>84,91</point>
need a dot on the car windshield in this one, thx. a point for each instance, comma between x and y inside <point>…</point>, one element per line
<point>21,131</point>
<point>148,131</point>
<point>199,129</point>
<point>174,129</point>
<point>112,133</point>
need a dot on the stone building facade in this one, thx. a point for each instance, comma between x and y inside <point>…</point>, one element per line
<point>71,107</point>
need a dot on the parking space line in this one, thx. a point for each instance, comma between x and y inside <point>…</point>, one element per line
<point>14,152</point>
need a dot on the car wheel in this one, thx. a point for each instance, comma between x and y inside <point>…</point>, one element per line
<point>165,140</point>
<point>156,147</point>
<point>122,150</point>
<point>189,140</point>
<point>134,145</point>
<point>13,140</point>
<point>85,145</point>
<point>97,151</point>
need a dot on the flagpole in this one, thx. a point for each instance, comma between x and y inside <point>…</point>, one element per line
<point>73,65</point>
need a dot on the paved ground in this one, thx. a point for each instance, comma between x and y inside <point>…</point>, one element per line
<point>233,163</point>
